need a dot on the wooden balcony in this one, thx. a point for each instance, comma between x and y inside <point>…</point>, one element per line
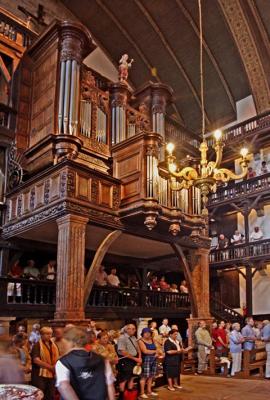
<point>36,299</point>
<point>238,191</point>
<point>14,31</point>
<point>241,254</point>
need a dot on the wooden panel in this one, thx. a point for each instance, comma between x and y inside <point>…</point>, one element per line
<point>229,288</point>
<point>55,187</point>
<point>83,187</point>
<point>43,100</point>
<point>26,202</point>
<point>131,188</point>
<point>39,201</point>
<point>105,194</point>
<point>128,165</point>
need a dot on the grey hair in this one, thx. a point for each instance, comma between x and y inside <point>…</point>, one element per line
<point>235,325</point>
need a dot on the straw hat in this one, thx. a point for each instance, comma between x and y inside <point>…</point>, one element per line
<point>137,370</point>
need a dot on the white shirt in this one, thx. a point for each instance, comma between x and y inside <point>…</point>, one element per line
<point>183,289</point>
<point>164,329</point>
<point>256,235</point>
<point>63,373</point>
<point>113,280</point>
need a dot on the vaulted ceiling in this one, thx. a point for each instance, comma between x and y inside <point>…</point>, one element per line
<point>164,34</point>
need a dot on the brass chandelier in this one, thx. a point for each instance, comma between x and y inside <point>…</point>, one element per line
<point>206,174</point>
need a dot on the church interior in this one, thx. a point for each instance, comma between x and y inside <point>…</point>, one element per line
<point>134,199</point>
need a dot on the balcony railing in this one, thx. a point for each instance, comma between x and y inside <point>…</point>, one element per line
<point>237,190</point>
<point>239,253</point>
<point>176,133</point>
<point>23,295</point>
<point>243,129</point>
<point>134,298</point>
<point>7,116</point>
<point>15,30</point>
<point>27,291</point>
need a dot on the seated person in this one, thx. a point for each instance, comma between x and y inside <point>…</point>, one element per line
<point>154,285</point>
<point>214,242</point>
<point>49,270</point>
<point>30,271</point>
<point>222,242</point>
<point>237,238</point>
<point>251,173</point>
<point>183,287</point>
<point>113,279</point>
<point>257,234</point>
<point>264,169</point>
<point>173,288</point>
<point>163,284</point>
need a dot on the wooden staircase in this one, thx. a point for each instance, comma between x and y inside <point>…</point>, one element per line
<point>223,312</point>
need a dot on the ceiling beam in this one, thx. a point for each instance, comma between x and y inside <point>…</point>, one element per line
<point>134,44</point>
<point>248,51</point>
<point>172,54</point>
<point>207,49</point>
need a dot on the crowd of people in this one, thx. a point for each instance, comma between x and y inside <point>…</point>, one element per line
<point>71,361</point>
<point>220,242</point>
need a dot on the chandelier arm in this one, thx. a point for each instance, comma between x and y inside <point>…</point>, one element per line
<point>187,173</point>
<point>224,174</point>
<point>177,186</point>
<point>219,153</point>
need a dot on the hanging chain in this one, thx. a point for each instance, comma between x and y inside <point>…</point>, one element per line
<point>201,69</point>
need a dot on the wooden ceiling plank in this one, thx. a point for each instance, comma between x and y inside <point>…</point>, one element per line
<point>211,56</point>
<point>172,54</point>
<point>238,25</point>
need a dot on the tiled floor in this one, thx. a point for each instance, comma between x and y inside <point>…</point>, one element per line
<point>209,388</point>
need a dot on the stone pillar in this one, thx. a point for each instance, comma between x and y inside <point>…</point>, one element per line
<point>70,268</point>
<point>119,96</point>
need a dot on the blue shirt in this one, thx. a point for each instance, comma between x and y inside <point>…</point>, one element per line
<point>235,345</point>
<point>266,332</point>
<point>248,331</point>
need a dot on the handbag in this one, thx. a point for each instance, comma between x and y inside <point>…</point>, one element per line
<point>130,394</point>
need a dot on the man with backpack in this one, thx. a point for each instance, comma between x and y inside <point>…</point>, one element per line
<point>83,375</point>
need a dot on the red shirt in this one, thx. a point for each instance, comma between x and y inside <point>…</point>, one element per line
<point>219,332</point>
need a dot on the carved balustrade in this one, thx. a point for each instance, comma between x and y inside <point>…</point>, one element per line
<point>259,249</point>
<point>14,30</point>
<point>176,133</point>
<point>240,190</point>
<point>243,130</point>
<point>133,298</point>
<point>37,296</point>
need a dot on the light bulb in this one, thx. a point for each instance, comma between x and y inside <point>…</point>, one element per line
<point>244,152</point>
<point>172,167</point>
<point>170,148</point>
<point>218,134</point>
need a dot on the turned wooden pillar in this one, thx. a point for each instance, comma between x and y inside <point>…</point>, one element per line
<point>200,282</point>
<point>70,268</point>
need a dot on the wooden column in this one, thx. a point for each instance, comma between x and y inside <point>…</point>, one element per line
<point>70,268</point>
<point>249,300</point>
<point>200,281</point>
